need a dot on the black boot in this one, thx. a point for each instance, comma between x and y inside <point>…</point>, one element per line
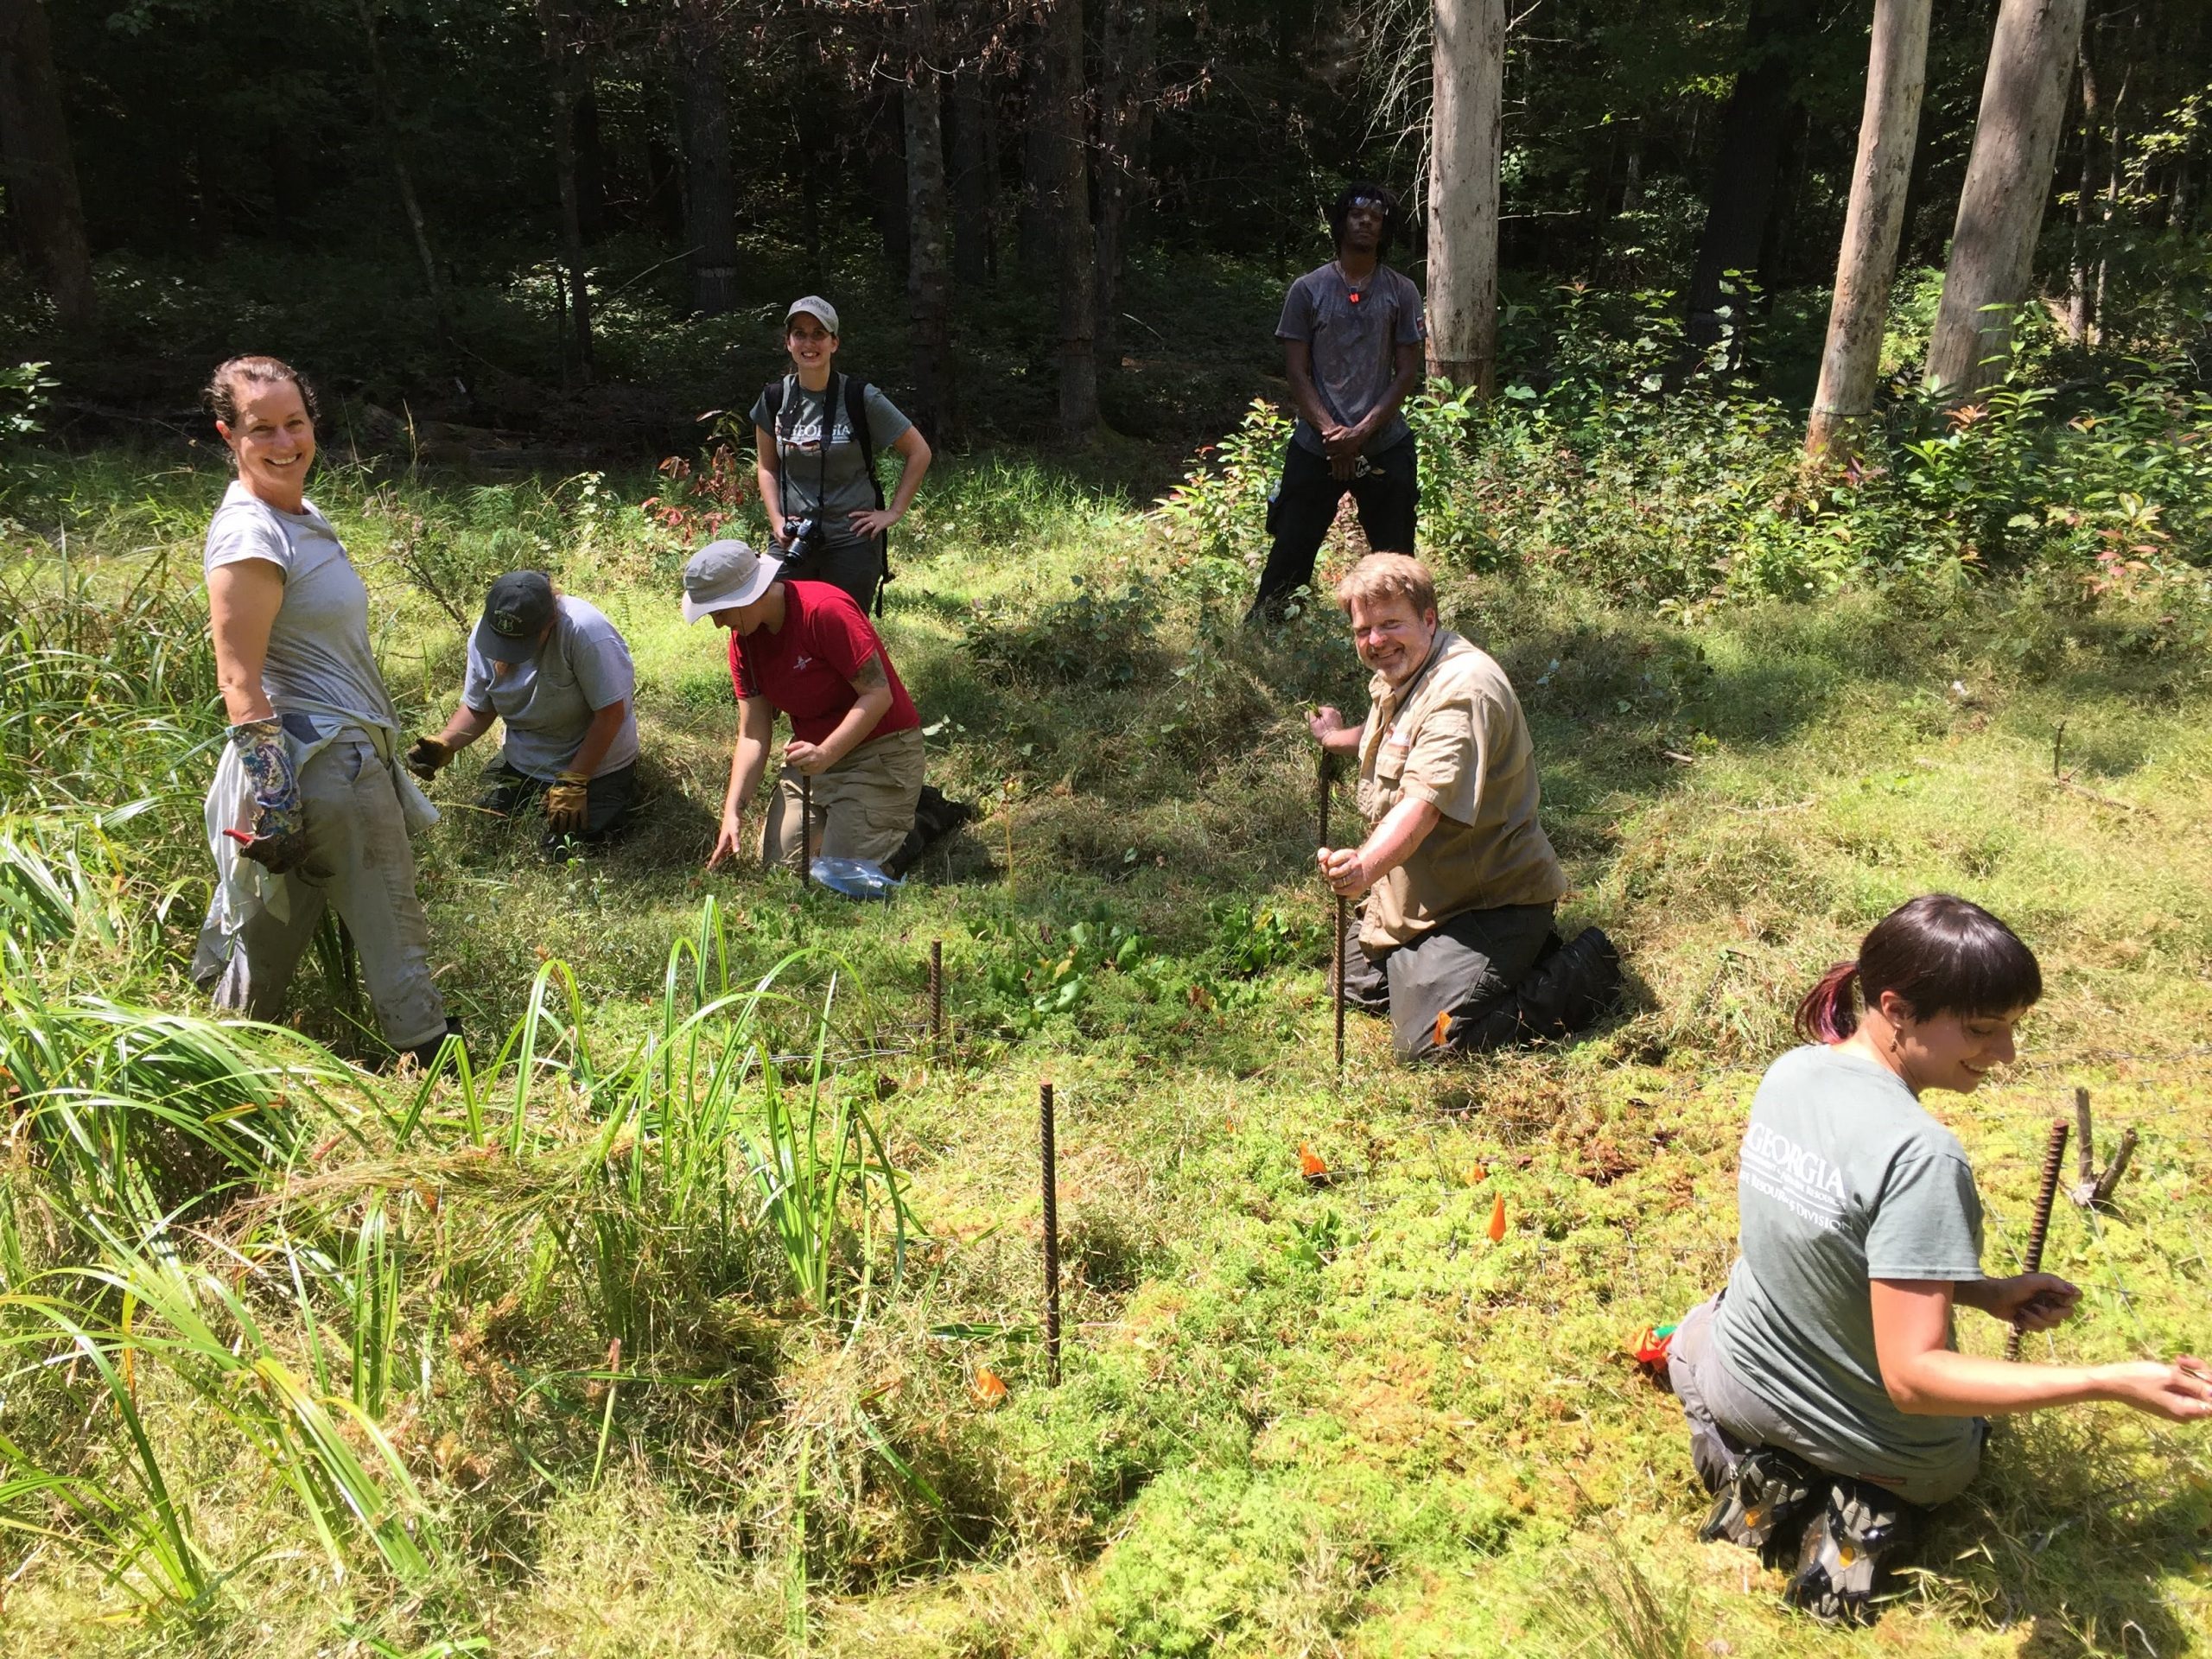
<point>1850,1547</point>
<point>425,1055</point>
<point>1763,1503</point>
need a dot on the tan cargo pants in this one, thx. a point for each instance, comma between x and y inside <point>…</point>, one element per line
<point>863,806</point>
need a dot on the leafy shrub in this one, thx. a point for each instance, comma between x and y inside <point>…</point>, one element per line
<point>1093,637</point>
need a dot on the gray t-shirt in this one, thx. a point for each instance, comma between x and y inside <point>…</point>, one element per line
<point>1844,1178</point>
<point>547,703</point>
<point>319,659</point>
<point>1355,343</point>
<point>837,481</point>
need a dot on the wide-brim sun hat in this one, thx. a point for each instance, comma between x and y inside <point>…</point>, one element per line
<point>723,574</point>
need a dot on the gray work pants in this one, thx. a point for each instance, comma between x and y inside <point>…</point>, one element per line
<point>1727,1419</point>
<point>360,865</point>
<point>1465,967</point>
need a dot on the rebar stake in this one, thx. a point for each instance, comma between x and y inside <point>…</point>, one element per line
<point>1321,773</point>
<point>2054,1156</point>
<point>936,994</point>
<point>1052,1234</point>
<point>805,830</point>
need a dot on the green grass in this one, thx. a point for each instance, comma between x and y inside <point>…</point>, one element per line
<point>1292,1420</point>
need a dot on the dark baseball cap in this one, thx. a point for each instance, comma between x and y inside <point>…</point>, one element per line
<point>516,611</point>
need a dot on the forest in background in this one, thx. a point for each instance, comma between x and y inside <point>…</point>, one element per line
<point>464,213</point>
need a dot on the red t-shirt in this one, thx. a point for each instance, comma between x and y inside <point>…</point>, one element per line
<point>806,668</point>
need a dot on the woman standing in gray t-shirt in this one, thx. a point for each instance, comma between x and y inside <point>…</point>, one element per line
<point>826,511</point>
<point>1823,1391</point>
<point>308,808</point>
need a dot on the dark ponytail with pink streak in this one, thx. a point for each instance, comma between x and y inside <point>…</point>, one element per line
<point>1941,955</point>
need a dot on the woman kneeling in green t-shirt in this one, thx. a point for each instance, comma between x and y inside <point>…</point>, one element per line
<point>1826,1405</point>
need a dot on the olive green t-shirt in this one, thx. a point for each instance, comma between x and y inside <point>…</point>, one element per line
<point>1453,736</point>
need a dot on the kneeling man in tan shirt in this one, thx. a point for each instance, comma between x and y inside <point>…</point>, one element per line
<point>1455,939</point>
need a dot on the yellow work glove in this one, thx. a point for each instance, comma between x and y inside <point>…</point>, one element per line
<point>565,802</point>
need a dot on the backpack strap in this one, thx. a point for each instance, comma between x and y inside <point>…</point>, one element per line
<point>856,418</point>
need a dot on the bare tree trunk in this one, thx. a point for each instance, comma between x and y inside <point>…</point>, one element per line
<point>1896,74</point>
<point>1036,237</point>
<point>37,166</point>
<point>1753,131</point>
<point>418,229</point>
<point>1068,202</point>
<point>975,179</point>
<point>929,288</point>
<point>2117,158</point>
<point>1469,68</point>
<point>710,182</point>
<point>2001,206</point>
<point>562,61</point>
<point>1125,103</point>
<point>2079,282</point>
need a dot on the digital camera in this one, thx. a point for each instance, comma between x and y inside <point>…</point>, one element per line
<point>803,537</point>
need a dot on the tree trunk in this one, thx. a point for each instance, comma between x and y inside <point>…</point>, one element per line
<point>1036,236</point>
<point>562,61</point>
<point>975,179</point>
<point>2001,205</point>
<point>710,182</point>
<point>1896,74</point>
<point>929,288</point>
<point>1752,133</point>
<point>1125,103</point>
<point>36,164</point>
<point>591,165</point>
<point>1069,204</point>
<point>2080,321</point>
<point>418,229</point>
<point>1469,69</point>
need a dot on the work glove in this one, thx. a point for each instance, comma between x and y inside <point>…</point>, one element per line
<point>428,757</point>
<point>565,802</point>
<point>279,838</point>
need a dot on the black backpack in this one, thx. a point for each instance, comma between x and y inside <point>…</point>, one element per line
<point>856,418</point>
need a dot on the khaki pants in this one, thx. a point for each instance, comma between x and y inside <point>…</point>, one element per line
<point>360,865</point>
<point>863,806</point>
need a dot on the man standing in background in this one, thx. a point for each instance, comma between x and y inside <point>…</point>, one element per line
<point>1351,333</point>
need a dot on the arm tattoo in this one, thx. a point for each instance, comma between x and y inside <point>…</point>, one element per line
<point>869,675</point>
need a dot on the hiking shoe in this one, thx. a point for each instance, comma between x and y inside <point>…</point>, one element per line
<point>1756,1506</point>
<point>1849,1546</point>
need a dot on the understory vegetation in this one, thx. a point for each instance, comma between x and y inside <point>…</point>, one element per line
<point>701,1313</point>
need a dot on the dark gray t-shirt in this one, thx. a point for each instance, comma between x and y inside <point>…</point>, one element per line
<point>1354,342</point>
<point>319,659</point>
<point>547,703</point>
<point>1845,1178</point>
<point>838,481</point>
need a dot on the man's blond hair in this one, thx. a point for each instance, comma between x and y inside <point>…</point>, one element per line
<point>1386,577</point>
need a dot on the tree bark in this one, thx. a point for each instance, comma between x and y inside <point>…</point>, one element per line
<point>37,165</point>
<point>410,206</point>
<point>975,178</point>
<point>1036,236</point>
<point>1469,69</point>
<point>562,62</point>
<point>1752,133</point>
<point>1897,75</point>
<point>1068,200</point>
<point>709,181</point>
<point>1126,97</point>
<point>929,288</point>
<point>2001,205</point>
<point>591,165</point>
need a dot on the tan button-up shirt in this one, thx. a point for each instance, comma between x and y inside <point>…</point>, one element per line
<point>1460,742</point>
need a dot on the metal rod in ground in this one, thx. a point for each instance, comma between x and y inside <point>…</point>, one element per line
<point>936,993</point>
<point>1340,987</point>
<point>2085,1146</point>
<point>805,830</point>
<point>2054,1157</point>
<point>1321,800</point>
<point>1051,1160</point>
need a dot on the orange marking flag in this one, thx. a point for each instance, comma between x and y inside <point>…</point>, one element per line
<point>1498,1219</point>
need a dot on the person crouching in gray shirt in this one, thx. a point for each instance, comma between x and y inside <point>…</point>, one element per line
<point>558,673</point>
<point>1352,334</point>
